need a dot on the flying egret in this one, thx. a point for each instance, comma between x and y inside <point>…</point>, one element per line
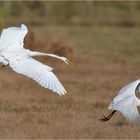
<point>126,102</point>
<point>13,53</point>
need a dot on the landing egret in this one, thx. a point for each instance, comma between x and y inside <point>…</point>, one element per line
<point>126,102</point>
<point>13,53</point>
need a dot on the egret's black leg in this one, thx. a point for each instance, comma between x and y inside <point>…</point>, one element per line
<point>108,117</point>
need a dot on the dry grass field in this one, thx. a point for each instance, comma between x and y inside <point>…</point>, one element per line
<point>106,58</point>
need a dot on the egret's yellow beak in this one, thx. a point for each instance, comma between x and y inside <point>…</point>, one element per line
<point>69,63</point>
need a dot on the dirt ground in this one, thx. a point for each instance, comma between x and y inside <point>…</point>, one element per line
<point>101,69</point>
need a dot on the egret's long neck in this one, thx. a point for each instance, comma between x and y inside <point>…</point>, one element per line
<point>34,53</point>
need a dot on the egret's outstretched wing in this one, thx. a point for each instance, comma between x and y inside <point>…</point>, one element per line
<point>37,71</point>
<point>128,107</point>
<point>128,90</point>
<point>11,36</point>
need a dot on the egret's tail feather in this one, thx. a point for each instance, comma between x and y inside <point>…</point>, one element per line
<point>103,119</point>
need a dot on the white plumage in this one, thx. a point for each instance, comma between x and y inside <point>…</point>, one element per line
<point>126,102</point>
<point>20,59</point>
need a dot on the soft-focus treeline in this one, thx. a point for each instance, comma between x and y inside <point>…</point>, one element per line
<point>84,12</point>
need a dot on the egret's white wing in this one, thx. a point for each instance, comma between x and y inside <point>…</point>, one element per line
<point>128,107</point>
<point>37,71</point>
<point>12,35</point>
<point>128,90</point>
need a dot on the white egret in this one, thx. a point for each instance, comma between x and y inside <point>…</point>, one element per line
<point>126,102</point>
<point>13,53</point>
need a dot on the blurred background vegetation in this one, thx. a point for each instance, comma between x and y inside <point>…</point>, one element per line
<point>86,12</point>
<point>107,28</point>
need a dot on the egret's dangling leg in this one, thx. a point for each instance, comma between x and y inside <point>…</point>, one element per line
<point>108,117</point>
